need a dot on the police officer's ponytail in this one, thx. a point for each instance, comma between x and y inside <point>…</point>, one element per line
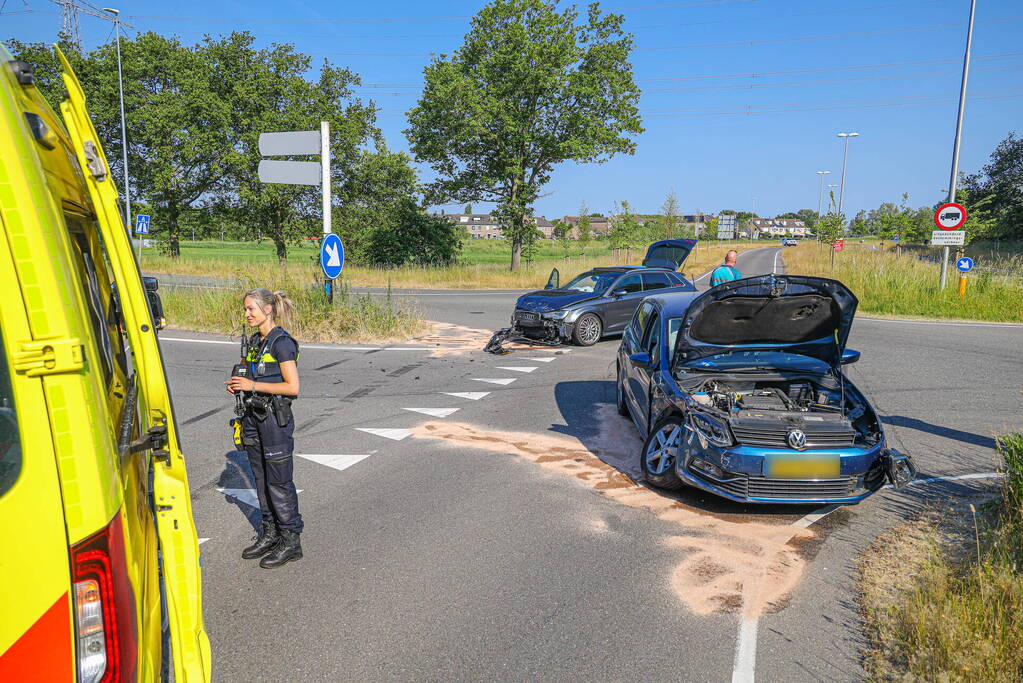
<point>282,308</point>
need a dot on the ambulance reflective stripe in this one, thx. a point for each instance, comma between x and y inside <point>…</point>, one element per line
<point>43,652</point>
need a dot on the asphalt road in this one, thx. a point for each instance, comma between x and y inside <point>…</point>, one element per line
<point>500,541</point>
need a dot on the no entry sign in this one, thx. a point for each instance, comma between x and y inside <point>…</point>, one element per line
<point>950,216</point>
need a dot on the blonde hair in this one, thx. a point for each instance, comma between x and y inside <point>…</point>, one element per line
<point>282,309</point>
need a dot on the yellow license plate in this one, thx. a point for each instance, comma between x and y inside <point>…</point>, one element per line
<point>803,467</point>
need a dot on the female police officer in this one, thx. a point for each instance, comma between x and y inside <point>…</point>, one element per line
<point>268,427</point>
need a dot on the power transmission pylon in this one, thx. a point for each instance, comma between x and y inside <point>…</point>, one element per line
<point>69,23</point>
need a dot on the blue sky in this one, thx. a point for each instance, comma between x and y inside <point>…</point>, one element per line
<point>717,135</point>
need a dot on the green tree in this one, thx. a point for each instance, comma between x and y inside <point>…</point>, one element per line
<point>995,194</point>
<point>670,210</point>
<point>585,231</point>
<point>529,88</point>
<point>412,237</point>
<point>468,208</point>
<point>562,234</point>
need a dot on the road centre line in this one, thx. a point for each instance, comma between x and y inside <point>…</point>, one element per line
<point>746,644</point>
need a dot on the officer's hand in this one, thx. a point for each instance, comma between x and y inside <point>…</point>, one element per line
<point>240,384</point>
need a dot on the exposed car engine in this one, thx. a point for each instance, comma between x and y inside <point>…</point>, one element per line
<point>760,412</point>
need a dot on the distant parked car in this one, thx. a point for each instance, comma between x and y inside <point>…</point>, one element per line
<point>600,301</point>
<point>739,391</point>
<point>789,242</point>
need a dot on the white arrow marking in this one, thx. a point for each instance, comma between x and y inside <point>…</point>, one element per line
<point>433,412</point>
<point>203,540</point>
<point>247,496</point>
<point>519,368</point>
<point>540,360</point>
<point>333,257</point>
<point>471,395</point>
<point>393,434</point>
<point>505,382</point>
<point>338,462</point>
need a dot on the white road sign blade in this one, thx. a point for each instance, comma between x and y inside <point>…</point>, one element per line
<point>290,172</point>
<point>292,143</point>
<point>948,238</point>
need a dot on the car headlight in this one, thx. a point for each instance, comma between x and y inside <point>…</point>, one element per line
<point>710,429</point>
<point>556,315</point>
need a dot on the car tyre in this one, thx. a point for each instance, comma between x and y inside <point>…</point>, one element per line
<point>588,330</point>
<point>656,460</point>
<point>623,409</point>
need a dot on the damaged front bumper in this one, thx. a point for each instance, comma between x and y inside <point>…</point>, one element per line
<point>535,331</point>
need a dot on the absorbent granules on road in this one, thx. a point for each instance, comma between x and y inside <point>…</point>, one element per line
<point>750,564</point>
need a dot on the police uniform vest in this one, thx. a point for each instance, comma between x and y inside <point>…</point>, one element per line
<point>263,365</point>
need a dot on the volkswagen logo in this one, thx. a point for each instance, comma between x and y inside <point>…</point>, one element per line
<point>797,439</point>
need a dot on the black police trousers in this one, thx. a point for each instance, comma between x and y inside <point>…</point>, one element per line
<point>270,449</point>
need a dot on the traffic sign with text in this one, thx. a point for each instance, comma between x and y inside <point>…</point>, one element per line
<point>943,238</point>
<point>950,216</point>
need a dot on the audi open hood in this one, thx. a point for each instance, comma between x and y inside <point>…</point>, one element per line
<point>669,254</point>
<point>810,316</point>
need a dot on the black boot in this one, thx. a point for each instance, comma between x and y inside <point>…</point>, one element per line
<point>266,539</point>
<point>289,548</point>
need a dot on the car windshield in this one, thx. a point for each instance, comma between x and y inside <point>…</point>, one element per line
<point>593,281</point>
<point>740,361</point>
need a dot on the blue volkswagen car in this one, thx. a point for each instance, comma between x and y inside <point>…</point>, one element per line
<point>740,392</point>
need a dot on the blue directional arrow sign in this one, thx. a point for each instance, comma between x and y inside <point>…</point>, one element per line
<point>965,264</point>
<point>141,224</point>
<point>332,255</point>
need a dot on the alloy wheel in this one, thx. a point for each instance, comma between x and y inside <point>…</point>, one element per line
<point>662,449</point>
<point>589,329</point>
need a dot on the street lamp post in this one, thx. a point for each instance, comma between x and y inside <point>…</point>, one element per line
<point>820,199</point>
<point>845,158</point>
<point>124,136</point>
<point>959,131</point>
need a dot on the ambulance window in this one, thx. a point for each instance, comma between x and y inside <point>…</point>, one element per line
<point>10,441</point>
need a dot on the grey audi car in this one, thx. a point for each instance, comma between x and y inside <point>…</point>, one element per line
<point>601,301</point>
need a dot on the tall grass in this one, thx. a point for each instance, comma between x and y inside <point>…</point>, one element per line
<point>349,318</point>
<point>963,620</point>
<point>239,262</point>
<point>887,284</point>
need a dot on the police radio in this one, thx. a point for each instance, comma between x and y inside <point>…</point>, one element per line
<point>240,370</point>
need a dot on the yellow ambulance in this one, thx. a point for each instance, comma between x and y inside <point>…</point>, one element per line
<point>99,573</point>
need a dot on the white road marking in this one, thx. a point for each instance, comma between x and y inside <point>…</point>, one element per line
<point>247,496</point>
<point>338,462</point>
<point>490,380</point>
<point>814,517</point>
<point>433,412</point>
<point>323,347</point>
<point>539,360</point>
<point>393,434</point>
<point>959,477</point>
<point>203,540</point>
<point>939,322</point>
<point>774,268</point>
<point>471,395</point>
<point>519,368</point>
<point>745,652</point>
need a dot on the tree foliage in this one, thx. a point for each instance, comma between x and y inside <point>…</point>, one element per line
<point>669,224</point>
<point>585,231</point>
<point>530,87</point>
<point>995,194</point>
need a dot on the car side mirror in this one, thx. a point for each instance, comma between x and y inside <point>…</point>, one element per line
<point>849,356</point>
<point>620,292</point>
<point>554,280</point>
<point>151,284</point>
<point>641,359</point>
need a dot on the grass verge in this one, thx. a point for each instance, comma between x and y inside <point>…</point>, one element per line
<point>887,284</point>
<point>238,259</point>
<point>349,318</point>
<point>942,595</point>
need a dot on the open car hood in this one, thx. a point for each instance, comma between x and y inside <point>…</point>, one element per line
<point>668,254</point>
<point>810,316</point>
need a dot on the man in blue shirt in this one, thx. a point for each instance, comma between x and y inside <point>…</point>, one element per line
<point>727,271</point>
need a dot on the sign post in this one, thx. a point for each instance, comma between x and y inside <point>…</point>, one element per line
<point>306,143</point>
<point>949,216</point>
<point>141,228</point>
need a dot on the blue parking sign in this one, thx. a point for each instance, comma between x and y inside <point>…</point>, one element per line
<point>141,224</point>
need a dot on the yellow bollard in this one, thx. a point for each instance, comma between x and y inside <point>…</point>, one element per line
<point>962,286</point>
